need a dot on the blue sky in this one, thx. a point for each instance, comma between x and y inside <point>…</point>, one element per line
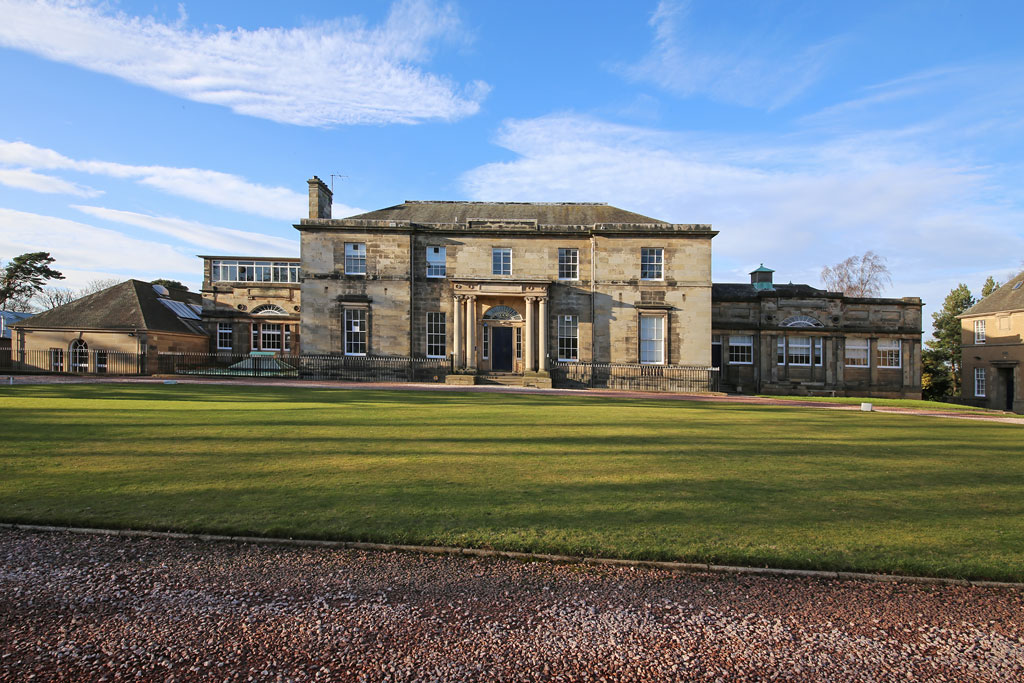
<point>135,135</point>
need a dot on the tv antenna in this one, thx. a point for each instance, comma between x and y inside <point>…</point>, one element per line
<point>336,175</point>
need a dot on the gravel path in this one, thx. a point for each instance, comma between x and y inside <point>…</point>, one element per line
<point>89,608</point>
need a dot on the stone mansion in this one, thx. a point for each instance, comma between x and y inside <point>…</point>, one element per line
<point>511,288</point>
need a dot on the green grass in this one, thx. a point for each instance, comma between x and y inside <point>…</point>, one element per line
<point>937,406</point>
<point>634,478</point>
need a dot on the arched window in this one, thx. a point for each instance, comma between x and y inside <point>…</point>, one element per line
<point>800,321</point>
<point>269,309</point>
<point>79,356</point>
<point>502,313</point>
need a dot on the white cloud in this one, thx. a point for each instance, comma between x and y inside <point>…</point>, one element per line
<point>27,179</point>
<point>210,187</point>
<point>224,240</point>
<point>341,72</point>
<point>86,249</point>
<point>796,206</point>
<point>753,69</point>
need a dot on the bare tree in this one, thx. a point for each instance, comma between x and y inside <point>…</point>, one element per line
<point>98,286</point>
<point>865,275</point>
<point>52,297</point>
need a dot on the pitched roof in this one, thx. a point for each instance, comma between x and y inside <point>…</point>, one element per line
<point>1009,297</point>
<point>132,304</point>
<point>545,213</point>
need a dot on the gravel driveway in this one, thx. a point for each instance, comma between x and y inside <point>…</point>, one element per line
<point>84,608</point>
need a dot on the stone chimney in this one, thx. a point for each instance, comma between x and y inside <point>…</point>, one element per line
<point>319,198</point>
<point>761,279</point>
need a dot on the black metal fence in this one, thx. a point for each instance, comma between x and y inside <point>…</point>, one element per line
<point>79,362</point>
<point>634,377</point>
<point>307,366</point>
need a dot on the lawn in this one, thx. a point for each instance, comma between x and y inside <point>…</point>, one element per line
<point>936,406</point>
<point>773,486</point>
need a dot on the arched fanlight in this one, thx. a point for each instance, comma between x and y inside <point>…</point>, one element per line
<point>801,321</point>
<point>269,309</point>
<point>502,313</point>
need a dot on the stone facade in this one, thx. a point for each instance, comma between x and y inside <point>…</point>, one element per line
<point>992,349</point>
<point>796,339</point>
<point>251,304</point>
<point>505,287</point>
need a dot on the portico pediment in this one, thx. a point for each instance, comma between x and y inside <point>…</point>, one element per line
<point>501,287</point>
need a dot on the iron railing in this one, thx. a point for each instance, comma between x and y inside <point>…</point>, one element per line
<point>307,366</point>
<point>78,362</point>
<point>635,377</point>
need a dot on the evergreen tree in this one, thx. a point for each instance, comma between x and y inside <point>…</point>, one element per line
<point>990,286</point>
<point>946,333</point>
<point>23,277</point>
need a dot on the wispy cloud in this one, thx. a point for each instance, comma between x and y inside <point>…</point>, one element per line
<point>225,240</point>
<point>340,72</point>
<point>88,250</point>
<point>758,68</point>
<point>795,205</point>
<point>202,185</point>
<point>27,179</point>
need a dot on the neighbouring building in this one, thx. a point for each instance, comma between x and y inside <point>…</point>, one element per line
<point>504,286</point>
<point>7,319</point>
<point>796,339</point>
<point>133,319</point>
<point>992,349</point>
<point>251,304</point>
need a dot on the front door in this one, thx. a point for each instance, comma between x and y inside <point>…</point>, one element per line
<point>501,355</point>
<point>1007,374</point>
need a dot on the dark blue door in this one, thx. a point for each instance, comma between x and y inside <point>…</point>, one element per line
<point>501,354</point>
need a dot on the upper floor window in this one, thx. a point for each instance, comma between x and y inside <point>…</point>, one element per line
<point>436,262</point>
<point>355,258</point>
<point>889,353</point>
<point>652,263</point>
<point>568,264</point>
<point>254,271</point>
<point>501,261</point>
<point>979,331</point>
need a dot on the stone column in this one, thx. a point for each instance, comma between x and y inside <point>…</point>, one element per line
<point>456,328</point>
<point>471,332</point>
<point>528,341</point>
<point>542,329</point>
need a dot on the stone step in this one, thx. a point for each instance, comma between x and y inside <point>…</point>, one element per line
<point>508,380</point>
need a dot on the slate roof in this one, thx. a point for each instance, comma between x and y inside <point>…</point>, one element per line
<point>1009,297</point>
<point>132,304</point>
<point>9,318</point>
<point>545,213</point>
<point>738,291</point>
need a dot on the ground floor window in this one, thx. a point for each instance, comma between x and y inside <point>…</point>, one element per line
<point>436,335</point>
<point>266,337</point>
<point>519,343</point>
<point>485,342</point>
<point>741,349</point>
<point>799,351</point>
<point>101,361</point>
<point>225,336</point>
<point>568,337</point>
<point>57,360</point>
<point>79,356</point>
<point>889,353</point>
<point>979,382</point>
<point>856,353</point>
<point>652,339</point>
<point>355,332</point>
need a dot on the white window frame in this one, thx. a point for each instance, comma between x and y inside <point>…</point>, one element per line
<point>652,260</point>
<point>437,263</point>
<point>860,346</point>
<point>817,351</point>
<point>979,382</point>
<point>799,348</point>
<point>355,340</point>
<point>56,360</point>
<point>979,332</point>
<point>485,342</point>
<point>568,263</point>
<point>225,331</point>
<point>78,356</point>
<point>568,338</point>
<point>437,335</point>
<point>355,258</point>
<point>652,342</point>
<point>884,350</point>
<point>501,260</point>
<point>271,337</point>
<point>744,348</point>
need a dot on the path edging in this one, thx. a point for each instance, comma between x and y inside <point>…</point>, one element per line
<point>509,554</point>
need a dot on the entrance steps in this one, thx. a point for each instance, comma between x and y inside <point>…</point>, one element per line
<point>507,379</point>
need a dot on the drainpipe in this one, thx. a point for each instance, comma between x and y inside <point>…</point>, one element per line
<point>412,290</point>
<point>593,294</point>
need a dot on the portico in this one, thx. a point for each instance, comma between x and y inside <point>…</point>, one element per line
<point>500,325</point>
